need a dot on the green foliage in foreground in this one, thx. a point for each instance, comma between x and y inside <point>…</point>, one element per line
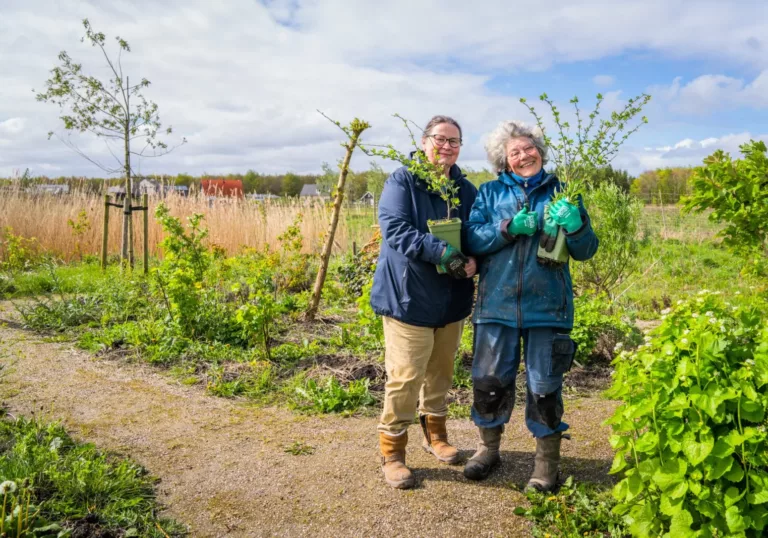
<point>690,435</point>
<point>58,483</point>
<point>330,396</point>
<point>575,511</point>
<point>598,329</point>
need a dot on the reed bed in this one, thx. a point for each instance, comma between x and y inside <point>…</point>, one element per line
<point>232,223</point>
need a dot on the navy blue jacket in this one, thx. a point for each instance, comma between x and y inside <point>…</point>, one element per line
<point>406,284</point>
<point>515,289</point>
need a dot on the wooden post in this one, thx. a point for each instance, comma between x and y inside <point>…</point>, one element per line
<point>354,248</point>
<point>106,234</point>
<point>146,232</point>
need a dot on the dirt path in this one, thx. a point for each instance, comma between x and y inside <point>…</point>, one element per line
<point>223,466</point>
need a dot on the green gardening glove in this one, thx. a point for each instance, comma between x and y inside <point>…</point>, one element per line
<point>549,235</point>
<point>524,223</point>
<point>566,215</point>
<point>453,261</point>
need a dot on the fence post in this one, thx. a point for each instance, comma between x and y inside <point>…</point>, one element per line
<point>146,232</point>
<point>105,236</point>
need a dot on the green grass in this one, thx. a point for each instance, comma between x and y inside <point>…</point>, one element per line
<point>66,484</point>
<point>672,270</point>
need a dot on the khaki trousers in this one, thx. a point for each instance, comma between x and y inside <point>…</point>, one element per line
<point>419,364</point>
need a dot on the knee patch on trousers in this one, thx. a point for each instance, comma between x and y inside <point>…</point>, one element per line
<point>545,408</point>
<point>490,395</point>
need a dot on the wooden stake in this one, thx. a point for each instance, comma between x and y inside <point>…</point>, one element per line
<point>105,237</point>
<point>146,232</point>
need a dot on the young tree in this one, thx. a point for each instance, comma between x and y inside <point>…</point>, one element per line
<point>353,132</point>
<point>327,181</point>
<point>292,184</point>
<point>113,110</point>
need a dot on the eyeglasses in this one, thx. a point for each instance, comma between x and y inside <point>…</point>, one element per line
<point>515,154</point>
<point>440,141</point>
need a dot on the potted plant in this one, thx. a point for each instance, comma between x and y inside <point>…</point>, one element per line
<point>593,145</point>
<point>448,229</point>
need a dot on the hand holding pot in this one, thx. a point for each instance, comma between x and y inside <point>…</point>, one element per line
<point>566,215</point>
<point>524,223</point>
<point>452,262</point>
<point>549,235</point>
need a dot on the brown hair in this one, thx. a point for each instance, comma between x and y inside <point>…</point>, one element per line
<point>437,120</point>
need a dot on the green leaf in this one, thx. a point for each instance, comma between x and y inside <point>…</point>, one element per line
<point>679,490</point>
<point>697,451</point>
<point>681,525</point>
<point>758,493</point>
<point>619,463</point>
<point>717,467</point>
<point>647,442</point>
<point>670,474</point>
<point>736,474</point>
<point>722,448</point>
<point>732,496</point>
<point>734,519</point>
<point>519,511</point>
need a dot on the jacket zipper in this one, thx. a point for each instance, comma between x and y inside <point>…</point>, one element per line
<point>521,268</point>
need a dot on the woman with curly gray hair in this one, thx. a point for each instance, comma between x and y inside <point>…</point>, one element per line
<point>524,303</point>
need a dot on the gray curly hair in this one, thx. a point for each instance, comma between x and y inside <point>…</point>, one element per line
<point>496,145</point>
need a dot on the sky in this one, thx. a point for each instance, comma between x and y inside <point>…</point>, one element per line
<point>243,80</point>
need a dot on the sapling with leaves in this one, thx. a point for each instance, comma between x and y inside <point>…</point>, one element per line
<point>577,154</point>
<point>114,110</point>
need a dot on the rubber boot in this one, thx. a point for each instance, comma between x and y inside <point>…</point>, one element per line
<point>436,439</point>
<point>487,456</point>
<point>392,447</point>
<point>545,470</point>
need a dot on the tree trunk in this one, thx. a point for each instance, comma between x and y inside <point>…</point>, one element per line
<point>356,128</point>
<point>127,257</point>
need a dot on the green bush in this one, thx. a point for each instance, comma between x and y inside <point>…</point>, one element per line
<point>690,435</point>
<point>598,331</point>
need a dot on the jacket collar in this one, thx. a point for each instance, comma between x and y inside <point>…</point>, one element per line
<point>506,179</point>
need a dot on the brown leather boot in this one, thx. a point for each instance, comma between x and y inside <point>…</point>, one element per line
<point>436,439</point>
<point>392,447</point>
<point>545,470</point>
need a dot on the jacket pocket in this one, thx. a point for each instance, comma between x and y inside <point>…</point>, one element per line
<point>405,296</point>
<point>563,290</point>
<point>563,351</point>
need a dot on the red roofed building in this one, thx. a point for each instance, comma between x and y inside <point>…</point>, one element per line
<point>222,187</point>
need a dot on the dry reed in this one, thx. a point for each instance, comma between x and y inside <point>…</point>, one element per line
<point>232,223</point>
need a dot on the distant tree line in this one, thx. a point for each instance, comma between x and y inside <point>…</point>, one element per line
<point>664,185</point>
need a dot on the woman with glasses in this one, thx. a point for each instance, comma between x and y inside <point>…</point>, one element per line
<point>524,303</point>
<point>423,310</point>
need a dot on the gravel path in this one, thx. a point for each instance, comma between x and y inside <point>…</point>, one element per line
<point>225,472</point>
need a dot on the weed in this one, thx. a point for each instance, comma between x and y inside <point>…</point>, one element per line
<point>299,448</point>
<point>330,396</point>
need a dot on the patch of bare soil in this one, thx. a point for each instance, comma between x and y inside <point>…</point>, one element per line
<point>224,465</point>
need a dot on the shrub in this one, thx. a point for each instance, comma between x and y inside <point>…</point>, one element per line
<point>615,217</point>
<point>598,331</point>
<point>692,423</point>
<point>737,192</point>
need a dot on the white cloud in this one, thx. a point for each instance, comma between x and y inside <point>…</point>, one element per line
<point>12,125</point>
<point>604,80</point>
<point>242,80</point>
<point>686,152</point>
<point>709,93</point>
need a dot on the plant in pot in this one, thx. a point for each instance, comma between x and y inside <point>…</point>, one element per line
<point>435,175</point>
<point>577,155</point>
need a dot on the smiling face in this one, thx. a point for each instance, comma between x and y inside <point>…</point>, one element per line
<point>523,158</point>
<point>446,155</point>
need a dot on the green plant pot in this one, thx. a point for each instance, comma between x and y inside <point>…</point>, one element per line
<point>559,254</point>
<point>448,231</point>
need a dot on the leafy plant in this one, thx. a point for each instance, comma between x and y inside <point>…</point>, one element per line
<point>299,448</point>
<point>737,193</point>
<point>615,217</point>
<point>690,434</point>
<point>79,227</point>
<point>331,396</point>
<point>18,253</point>
<point>578,154</point>
<point>575,511</point>
<point>51,482</point>
<point>598,331</point>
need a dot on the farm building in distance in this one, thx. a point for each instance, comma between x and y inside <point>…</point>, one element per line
<point>222,187</point>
